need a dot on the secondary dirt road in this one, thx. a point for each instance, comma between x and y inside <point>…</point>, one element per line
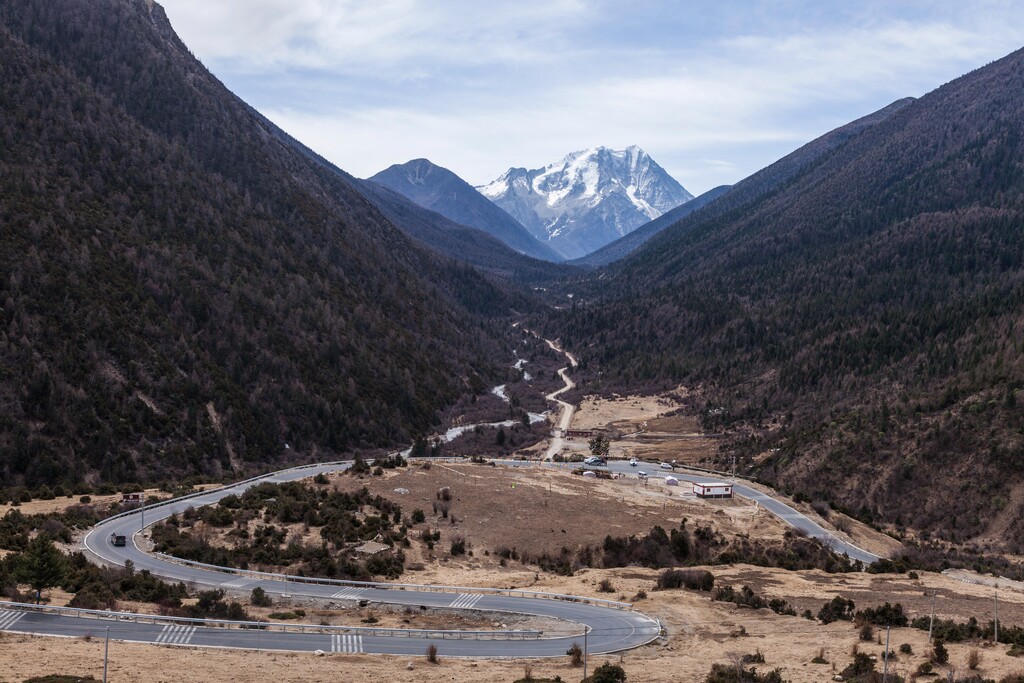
<point>567,409</point>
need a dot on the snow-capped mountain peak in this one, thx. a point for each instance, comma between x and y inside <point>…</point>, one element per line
<point>588,198</point>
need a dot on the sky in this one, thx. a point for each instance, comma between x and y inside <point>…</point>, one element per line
<point>712,90</point>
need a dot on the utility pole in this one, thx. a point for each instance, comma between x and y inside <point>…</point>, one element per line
<point>995,621</point>
<point>931,622</point>
<point>885,669</point>
<point>585,632</point>
<point>106,651</point>
<point>143,511</point>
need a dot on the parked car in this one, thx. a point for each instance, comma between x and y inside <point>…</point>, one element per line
<point>666,466</point>
<point>641,474</point>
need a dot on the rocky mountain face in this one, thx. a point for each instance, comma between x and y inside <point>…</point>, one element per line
<point>438,189</point>
<point>588,199</point>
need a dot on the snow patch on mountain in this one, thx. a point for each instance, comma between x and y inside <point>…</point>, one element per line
<point>587,199</point>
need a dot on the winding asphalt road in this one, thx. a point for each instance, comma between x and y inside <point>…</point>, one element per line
<point>610,629</point>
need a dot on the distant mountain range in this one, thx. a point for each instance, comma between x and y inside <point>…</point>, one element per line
<point>588,199</point>
<point>438,189</point>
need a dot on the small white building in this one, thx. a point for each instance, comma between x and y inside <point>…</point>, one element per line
<point>712,489</point>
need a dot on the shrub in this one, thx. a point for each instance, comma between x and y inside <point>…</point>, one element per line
<point>432,653</point>
<point>608,673</point>
<point>836,610</point>
<point>458,546</point>
<point>867,633</point>
<point>259,598</point>
<point>885,615</point>
<point>940,655</point>
<point>576,654</point>
<point>905,649</point>
<point>605,586</point>
<point>973,659</point>
<point>418,516</point>
<point>820,657</point>
<point>694,579</point>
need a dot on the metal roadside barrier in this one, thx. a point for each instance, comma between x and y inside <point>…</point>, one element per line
<point>429,588</point>
<point>133,617</point>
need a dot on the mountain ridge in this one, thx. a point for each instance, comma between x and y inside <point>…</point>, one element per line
<point>439,189</point>
<point>587,199</point>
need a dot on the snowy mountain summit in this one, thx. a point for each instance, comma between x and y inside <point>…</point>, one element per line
<point>587,199</point>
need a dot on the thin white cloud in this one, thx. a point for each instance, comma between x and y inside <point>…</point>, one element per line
<point>478,87</point>
<point>382,37</point>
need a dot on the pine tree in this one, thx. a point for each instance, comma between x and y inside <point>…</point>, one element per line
<point>41,565</point>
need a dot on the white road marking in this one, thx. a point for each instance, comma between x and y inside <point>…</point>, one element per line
<point>352,644</point>
<point>173,634</point>
<point>9,618</point>
<point>349,593</point>
<point>465,601</point>
<point>237,583</point>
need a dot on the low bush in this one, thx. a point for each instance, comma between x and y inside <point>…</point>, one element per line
<point>885,615</point>
<point>838,609</point>
<point>694,579</point>
<point>259,598</point>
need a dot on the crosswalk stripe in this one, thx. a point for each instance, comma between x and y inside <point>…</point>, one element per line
<point>237,583</point>
<point>348,593</point>
<point>172,634</point>
<point>9,618</point>
<point>465,601</point>
<point>350,644</point>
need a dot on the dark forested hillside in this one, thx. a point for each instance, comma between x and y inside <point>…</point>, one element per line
<point>183,290</point>
<point>487,253</point>
<point>440,190</point>
<point>864,316</point>
<point>632,241</point>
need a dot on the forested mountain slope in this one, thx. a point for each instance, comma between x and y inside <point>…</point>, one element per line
<point>476,247</point>
<point>630,242</point>
<point>182,291</point>
<point>872,306</point>
<point>438,189</point>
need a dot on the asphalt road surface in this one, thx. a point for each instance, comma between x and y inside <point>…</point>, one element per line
<point>610,629</point>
